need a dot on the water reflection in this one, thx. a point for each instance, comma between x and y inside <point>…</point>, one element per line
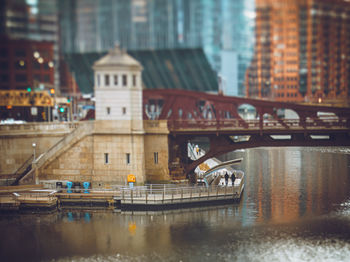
<point>286,184</point>
<point>295,206</point>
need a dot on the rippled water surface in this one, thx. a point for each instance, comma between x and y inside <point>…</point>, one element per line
<point>295,207</point>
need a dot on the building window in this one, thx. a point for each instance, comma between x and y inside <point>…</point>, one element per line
<point>20,52</point>
<point>106,158</point>
<point>4,65</point>
<point>124,110</point>
<point>37,77</point>
<point>21,65</point>
<point>125,80</point>
<point>3,52</point>
<point>36,65</point>
<point>115,80</point>
<point>134,80</point>
<point>106,80</point>
<point>108,109</point>
<point>156,157</point>
<point>98,80</point>
<point>127,158</point>
<point>46,78</point>
<point>21,78</point>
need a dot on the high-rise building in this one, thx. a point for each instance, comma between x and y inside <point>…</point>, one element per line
<point>224,29</point>
<point>302,51</point>
<point>35,20</point>
<point>237,44</point>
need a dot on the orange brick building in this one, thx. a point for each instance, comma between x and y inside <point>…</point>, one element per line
<point>302,51</point>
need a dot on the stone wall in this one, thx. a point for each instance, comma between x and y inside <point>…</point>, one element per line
<point>16,142</point>
<point>106,154</point>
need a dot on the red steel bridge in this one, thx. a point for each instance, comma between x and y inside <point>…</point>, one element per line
<point>220,118</point>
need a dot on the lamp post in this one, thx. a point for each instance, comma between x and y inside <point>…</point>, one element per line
<point>34,146</point>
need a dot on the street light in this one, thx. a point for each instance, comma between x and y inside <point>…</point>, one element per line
<point>34,146</point>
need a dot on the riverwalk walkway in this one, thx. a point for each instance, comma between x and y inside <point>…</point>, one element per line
<point>150,197</point>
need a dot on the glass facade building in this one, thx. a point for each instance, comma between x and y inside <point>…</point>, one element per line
<point>224,29</point>
<point>302,51</point>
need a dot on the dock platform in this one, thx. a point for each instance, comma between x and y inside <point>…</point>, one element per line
<point>141,198</point>
<point>152,199</point>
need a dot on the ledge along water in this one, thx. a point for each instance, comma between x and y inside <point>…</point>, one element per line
<point>143,198</point>
<point>157,198</point>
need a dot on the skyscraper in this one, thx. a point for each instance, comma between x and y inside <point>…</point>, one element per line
<point>237,44</point>
<point>302,51</point>
<point>32,20</point>
<point>224,29</point>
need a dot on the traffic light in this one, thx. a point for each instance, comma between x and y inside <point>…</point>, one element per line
<point>68,100</point>
<point>52,91</point>
<point>62,109</point>
<point>29,89</point>
<point>9,107</point>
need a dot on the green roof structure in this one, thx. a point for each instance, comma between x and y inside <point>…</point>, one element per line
<point>186,69</point>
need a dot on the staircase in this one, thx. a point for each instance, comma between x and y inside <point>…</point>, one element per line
<point>84,129</point>
<point>23,170</point>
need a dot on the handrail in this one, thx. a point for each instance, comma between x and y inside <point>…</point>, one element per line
<point>78,133</point>
<point>341,122</point>
<point>29,160</point>
<point>23,170</point>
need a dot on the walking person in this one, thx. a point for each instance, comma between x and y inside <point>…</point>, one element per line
<point>226,178</point>
<point>233,178</point>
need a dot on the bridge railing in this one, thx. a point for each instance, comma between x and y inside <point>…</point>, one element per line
<point>255,124</point>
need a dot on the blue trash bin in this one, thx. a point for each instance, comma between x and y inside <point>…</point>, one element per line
<point>69,187</point>
<point>86,186</point>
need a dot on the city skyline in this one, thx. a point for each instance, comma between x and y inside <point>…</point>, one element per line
<point>295,51</point>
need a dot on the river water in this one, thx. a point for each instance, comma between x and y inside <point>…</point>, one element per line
<point>295,207</point>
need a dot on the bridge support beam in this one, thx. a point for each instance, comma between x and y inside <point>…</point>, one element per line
<point>223,144</point>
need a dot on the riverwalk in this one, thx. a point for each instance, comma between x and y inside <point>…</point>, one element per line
<point>140,198</point>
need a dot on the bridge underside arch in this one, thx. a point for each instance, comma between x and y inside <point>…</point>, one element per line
<point>222,118</point>
<point>221,144</point>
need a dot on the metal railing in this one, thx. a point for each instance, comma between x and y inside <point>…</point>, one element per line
<point>161,193</point>
<point>255,124</point>
<point>23,170</point>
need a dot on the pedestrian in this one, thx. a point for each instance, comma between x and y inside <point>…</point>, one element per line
<point>226,178</point>
<point>233,178</point>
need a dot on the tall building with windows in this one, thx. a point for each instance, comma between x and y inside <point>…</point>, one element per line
<point>222,28</point>
<point>302,51</point>
<point>32,20</point>
<point>237,44</point>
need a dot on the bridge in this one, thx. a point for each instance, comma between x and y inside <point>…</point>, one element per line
<point>219,118</point>
<point>172,118</point>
